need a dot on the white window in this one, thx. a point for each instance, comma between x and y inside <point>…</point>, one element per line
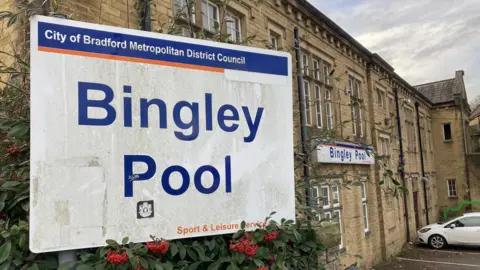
<point>452,188</point>
<point>338,216</point>
<point>318,101</point>
<point>210,15</point>
<point>363,190</point>
<point>315,198</point>
<point>328,108</point>
<point>380,98</point>
<point>180,8</point>
<point>326,73</point>
<point>308,113</point>
<point>358,95</point>
<point>336,195</point>
<point>327,215</point>
<point>316,69</point>
<point>305,64</point>
<point>233,27</point>
<point>326,197</point>
<point>317,217</point>
<point>447,132</point>
<point>365,216</point>
<point>351,82</point>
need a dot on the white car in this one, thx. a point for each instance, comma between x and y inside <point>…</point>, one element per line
<point>464,230</point>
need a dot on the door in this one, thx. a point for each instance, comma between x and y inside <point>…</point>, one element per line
<point>415,209</point>
<point>466,231</point>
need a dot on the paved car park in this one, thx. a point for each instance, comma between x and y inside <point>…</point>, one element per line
<point>424,258</point>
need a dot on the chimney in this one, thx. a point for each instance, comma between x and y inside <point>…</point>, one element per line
<point>459,74</point>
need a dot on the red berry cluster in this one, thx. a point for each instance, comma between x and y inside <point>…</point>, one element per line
<point>114,257</point>
<point>243,245</point>
<point>270,237</point>
<point>13,149</point>
<point>159,247</point>
<point>262,268</point>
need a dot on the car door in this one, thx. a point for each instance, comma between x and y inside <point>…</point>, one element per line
<point>465,232</point>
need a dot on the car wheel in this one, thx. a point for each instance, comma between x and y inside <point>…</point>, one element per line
<point>437,241</point>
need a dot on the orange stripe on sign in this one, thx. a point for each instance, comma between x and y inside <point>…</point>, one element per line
<point>129,59</point>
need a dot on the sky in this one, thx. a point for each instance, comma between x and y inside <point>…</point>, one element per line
<point>424,40</point>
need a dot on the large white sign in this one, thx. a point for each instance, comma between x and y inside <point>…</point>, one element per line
<point>344,153</point>
<point>137,134</point>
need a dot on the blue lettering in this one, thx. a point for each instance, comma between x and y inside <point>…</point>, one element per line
<point>194,123</point>
<point>129,175</point>
<point>162,112</point>
<point>252,125</point>
<point>84,103</point>
<point>222,117</point>
<point>166,180</point>
<point>198,179</point>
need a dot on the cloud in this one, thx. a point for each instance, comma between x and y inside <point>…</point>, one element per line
<point>424,40</point>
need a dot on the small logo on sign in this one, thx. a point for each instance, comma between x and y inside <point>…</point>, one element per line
<point>145,209</point>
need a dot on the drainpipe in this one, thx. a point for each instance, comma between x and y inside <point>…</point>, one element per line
<point>145,24</point>
<point>422,165</point>
<point>401,164</point>
<point>467,174</point>
<point>301,99</point>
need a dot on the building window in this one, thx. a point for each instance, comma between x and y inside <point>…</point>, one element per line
<point>338,216</point>
<point>365,216</point>
<point>326,197</point>
<point>327,215</point>
<point>305,64</point>
<point>380,98</point>
<point>308,113</point>
<point>180,9</point>
<point>447,132</point>
<point>336,195</point>
<point>326,73</point>
<point>275,40</point>
<point>452,188</point>
<point>210,15</point>
<point>315,203</point>
<point>355,101</point>
<point>328,108</point>
<point>363,191</point>
<point>233,27</point>
<point>316,69</point>
<point>318,101</point>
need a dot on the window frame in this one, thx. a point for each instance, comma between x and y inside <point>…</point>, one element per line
<point>318,107</point>
<point>308,109</point>
<point>316,70</point>
<point>365,217</point>
<point>316,197</point>
<point>206,14</point>
<point>338,195</point>
<point>237,22</point>
<point>443,131</point>
<point>454,188</point>
<point>305,64</point>
<point>326,73</point>
<point>183,5</point>
<point>328,107</point>
<point>339,224</point>
<point>326,206</point>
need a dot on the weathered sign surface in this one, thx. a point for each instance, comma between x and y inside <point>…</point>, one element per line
<point>137,134</point>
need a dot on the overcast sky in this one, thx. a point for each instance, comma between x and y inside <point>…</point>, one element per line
<point>424,40</point>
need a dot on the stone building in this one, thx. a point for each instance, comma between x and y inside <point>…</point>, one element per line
<point>450,121</point>
<point>350,96</point>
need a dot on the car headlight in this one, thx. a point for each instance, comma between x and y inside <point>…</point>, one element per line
<point>424,230</point>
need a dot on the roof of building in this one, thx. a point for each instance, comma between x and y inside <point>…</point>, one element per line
<point>438,92</point>
<point>476,112</point>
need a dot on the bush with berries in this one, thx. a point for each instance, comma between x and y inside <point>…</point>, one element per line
<point>284,245</point>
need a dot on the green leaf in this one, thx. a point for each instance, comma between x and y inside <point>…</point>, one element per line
<point>3,196</point>
<point>5,250</point>
<point>192,254</point>
<point>194,265</point>
<point>357,183</point>
<point>273,213</point>
<point>112,243</point>
<point>243,224</point>
<point>22,242</point>
<point>158,266</point>
<point>84,267</point>
<point>132,258</point>
<point>381,182</point>
<point>35,267</point>
<point>211,245</point>
<point>10,184</point>
<point>14,230</point>
<point>6,234</point>
<point>232,266</point>
<point>167,266</point>
<point>101,266</point>
<point>358,256</point>
<point>214,266</point>
<point>395,182</point>
<point>50,263</point>
<point>6,265</point>
<point>125,241</point>
<point>19,131</point>
<point>12,20</point>
<point>182,249</point>
<point>258,262</point>
<point>173,249</point>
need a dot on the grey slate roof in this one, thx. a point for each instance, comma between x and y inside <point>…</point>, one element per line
<point>438,92</point>
<point>475,112</point>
